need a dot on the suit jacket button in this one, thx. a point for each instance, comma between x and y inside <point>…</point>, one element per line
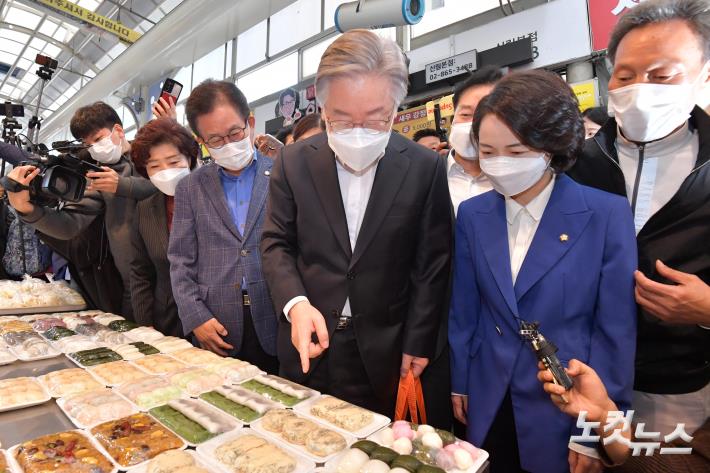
<point>350,275</point>
<point>244,252</point>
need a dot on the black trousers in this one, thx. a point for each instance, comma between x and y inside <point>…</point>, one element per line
<point>436,385</point>
<point>251,349</point>
<point>341,373</point>
<point>502,441</point>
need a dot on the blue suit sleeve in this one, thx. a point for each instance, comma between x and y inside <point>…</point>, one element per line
<point>465,307</point>
<point>183,256</point>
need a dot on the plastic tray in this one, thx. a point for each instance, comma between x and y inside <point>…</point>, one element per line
<point>132,468</point>
<point>301,449</point>
<point>50,354</point>
<point>92,370</point>
<point>199,461</point>
<point>42,310</point>
<point>62,401</point>
<point>312,393</point>
<point>207,450</point>
<point>16,466</point>
<point>274,405</point>
<point>477,464</point>
<point>378,420</point>
<point>154,373</point>
<point>147,408</point>
<point>235,424</point>
<point>46,398</point>
<point>11,358</point>
<point>42,380</point>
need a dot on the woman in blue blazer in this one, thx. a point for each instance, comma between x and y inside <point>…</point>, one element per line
<point>539,248</point>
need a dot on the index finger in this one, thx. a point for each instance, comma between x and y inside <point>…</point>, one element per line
<point>303,344</point>
<point>653,286</point>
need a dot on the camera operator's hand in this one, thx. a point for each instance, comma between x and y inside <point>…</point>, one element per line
<point>20,201</point>
<point>106,181</point>
<point>163,109</point>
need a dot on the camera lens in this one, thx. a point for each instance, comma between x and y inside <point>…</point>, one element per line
<point>61,185</point>
<point>414,7</point>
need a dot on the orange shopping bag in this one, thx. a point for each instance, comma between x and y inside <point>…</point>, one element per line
<point>410,399</point>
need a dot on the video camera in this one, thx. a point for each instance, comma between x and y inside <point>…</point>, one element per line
<point>62,178</point>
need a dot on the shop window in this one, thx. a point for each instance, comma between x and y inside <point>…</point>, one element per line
<point>294,24</point>
<point>251,46</point>
<point>271,78</point>
<point>209,66</point>
<point>312,55</point>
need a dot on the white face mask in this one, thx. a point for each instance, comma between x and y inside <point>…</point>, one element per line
<point>358,149</point>
<point>460,141</point>
<point>510,176</point>
<point>167,180</point>
<point>234,156</point>
<point>105,151</point>
<point>649,112</point>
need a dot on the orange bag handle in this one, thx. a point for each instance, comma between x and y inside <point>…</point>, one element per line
<point>410,397</point>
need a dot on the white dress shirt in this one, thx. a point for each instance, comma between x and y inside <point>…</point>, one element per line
<point>462,185</point>
<point>355,189</point>
<point>656,178</point>
<point>522,225</point>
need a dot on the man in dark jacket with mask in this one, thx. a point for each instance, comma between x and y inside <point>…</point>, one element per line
<point>655,151</point>
<point>356,243</point>
<point>111,193</point>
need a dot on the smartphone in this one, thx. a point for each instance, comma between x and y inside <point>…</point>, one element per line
<point>171,89</point>
<point>271,142</point>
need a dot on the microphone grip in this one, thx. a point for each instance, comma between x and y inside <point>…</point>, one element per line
<point>561,377</point>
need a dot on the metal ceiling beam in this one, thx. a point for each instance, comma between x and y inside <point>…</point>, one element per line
<point>177,40</point>
<point>49,39</point>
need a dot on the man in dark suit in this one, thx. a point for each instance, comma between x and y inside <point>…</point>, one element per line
<point>357,240</point>
<point>215,266</point>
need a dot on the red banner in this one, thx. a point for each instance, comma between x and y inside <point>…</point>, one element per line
<point>603,16</point>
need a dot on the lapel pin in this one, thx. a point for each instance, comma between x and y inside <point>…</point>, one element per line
<point>564,237</point>
<point>267,173</point>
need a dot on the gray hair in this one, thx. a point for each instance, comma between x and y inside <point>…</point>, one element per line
<point>694,12</point>
<point>359,52</point>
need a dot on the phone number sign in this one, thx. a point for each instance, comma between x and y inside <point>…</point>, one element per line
<point>451,67</point>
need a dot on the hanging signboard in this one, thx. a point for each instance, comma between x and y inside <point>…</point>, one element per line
<point>112,26</point>
<point>407,122</point>
<point>603,16</point>
<point>450,67</point>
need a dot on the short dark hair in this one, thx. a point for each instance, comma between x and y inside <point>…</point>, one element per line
<point>163,131</point>
<point>696,13</point>
<point>283,133</point>
<point>423,133</point>
<point>307,123</point>
<point>210,93</point>
<point>598,115</point>
<point>542,111</point>
<point>89,119</point>
<point>486,75</point>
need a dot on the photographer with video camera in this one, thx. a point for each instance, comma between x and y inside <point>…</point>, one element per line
<point>112,192</point>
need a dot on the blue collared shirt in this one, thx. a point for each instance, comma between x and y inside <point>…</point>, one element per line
<point>237,192</point>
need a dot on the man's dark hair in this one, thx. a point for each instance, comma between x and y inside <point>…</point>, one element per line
<point>541,110</point>
<point>598,115</point>
<point>283,133</point>
<point>423,133</point>
<point>487,75</point>
<point>696,13</point>
<point>205,97</point>
<point>306,124</point>
<point>89,119</point>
